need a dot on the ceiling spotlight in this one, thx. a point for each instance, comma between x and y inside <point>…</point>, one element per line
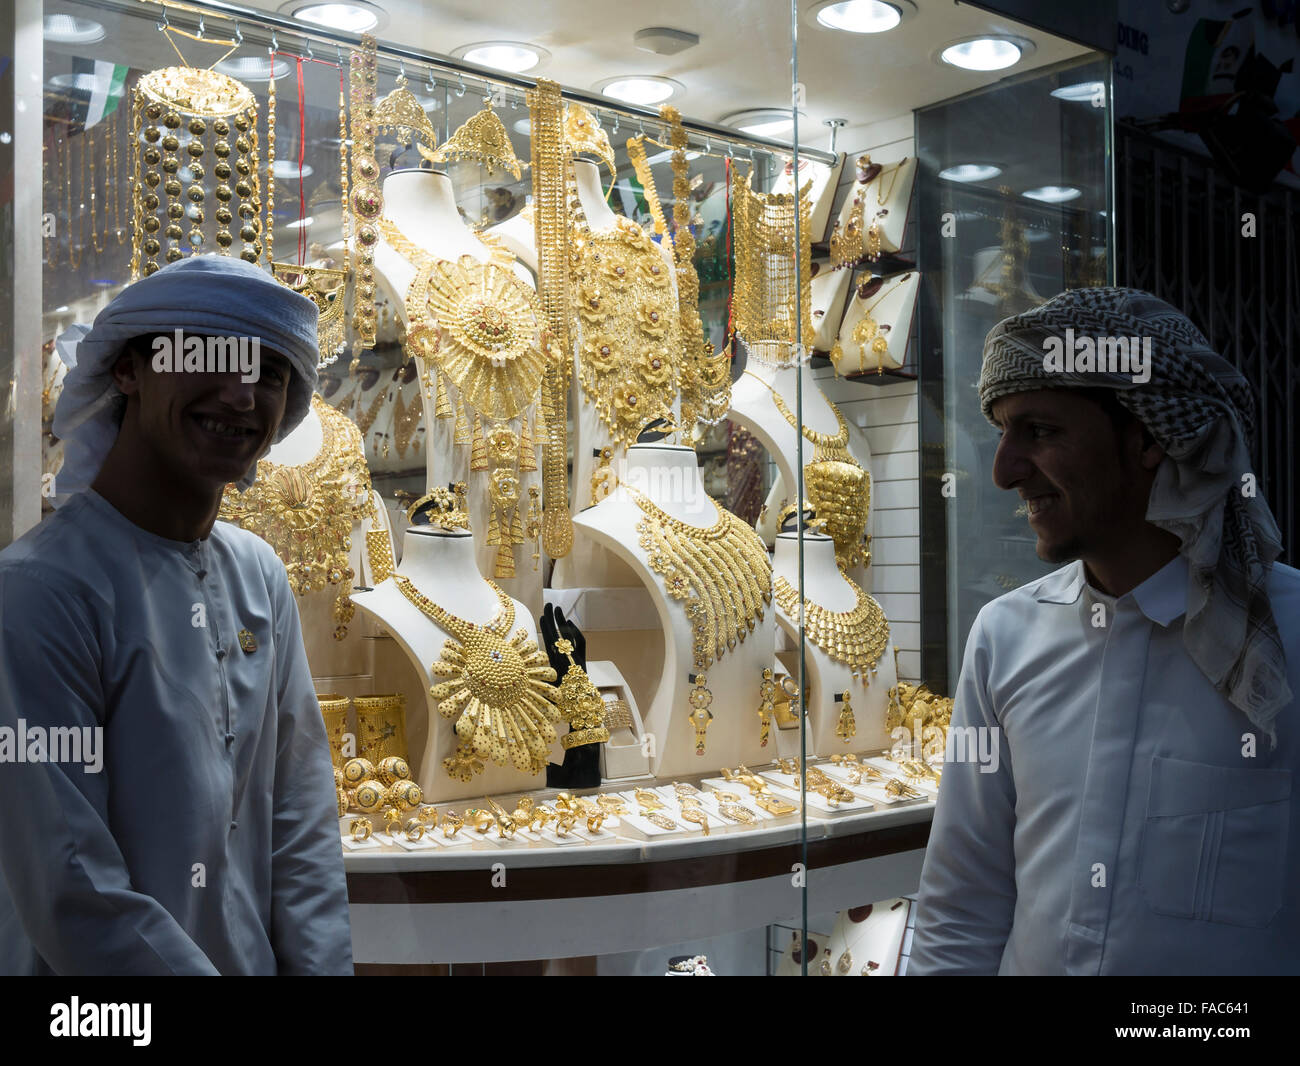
<point>351,17</point>
<point>645,90</point>
<point>1082,92</point>
<point>762,122</point>
<point>967,172</point>
<point>984,53</point>
<point>1053,194</point>
<point>300,223</point>
<point>859,16</point>
<point>287,169</point>
<point>65,29</point>
<point>253,68</point>
<point>514,57</point>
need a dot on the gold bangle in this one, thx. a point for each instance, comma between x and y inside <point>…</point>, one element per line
<point>414,829</point>
<point>360,829</point>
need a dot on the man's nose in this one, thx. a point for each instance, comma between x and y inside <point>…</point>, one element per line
<point>237,394</point>
<point>1011,465</point>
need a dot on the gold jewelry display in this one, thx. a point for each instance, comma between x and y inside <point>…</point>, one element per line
<point>483,140</point>
<point>661,820</point>
<point>580,703</point>
<point>414,829</point>
<point>773,281</point>
<point>533,524</point>
<point>367,202</point>
<point>618,715</point>
<point>379,555</point>
<point>583,133</point>
<point>499,690</point>
<point>326,288</point>
<point>856,638</point>
<point>736,813</point>
<point>627,322</point>
<point>381,723</point>
<point>612,805</point>
<point>443,510</point>
<point>201,101</point>
<point>451,823</point>
<point>694,814</point>
<point>370,796</point>
<point>774,806</point>
<point>393,768</point>
<point>401,112</point>
<point>334,709</point>
<point>868,333</point>
<point>722,573</point>
<point>551,169</point>
<point>306,512</point>
<point>705,374</point>
<point>360,829</point>
<point>846,727</point>
<point>357,770</point>
<point>603,479</point>
<point>700,698</point>
<point>847,245</point>
<point>896,787</point>
<point>837,485</point>
<point>766,707</point>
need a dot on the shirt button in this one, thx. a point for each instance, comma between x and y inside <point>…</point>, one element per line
<point>230,739</point>
<point>234,825</point>
<point>202,574</point>
<point>221,653</point>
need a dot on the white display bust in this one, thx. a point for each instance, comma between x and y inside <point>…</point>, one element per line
<point>669,475</point>
<point>826,587</point>
<point>441,565</point>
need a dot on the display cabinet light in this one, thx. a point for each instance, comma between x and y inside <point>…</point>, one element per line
<point>859,16</point>
<point>1053,194</point>
<point>300,223</point>
<point>287,169</point>
<point>1082,92</point>
<point>524,127</point>
<point>762,122</point>
<point>253,68</point>
<point>983,53</point>
<point>65,29</point>
<point>350,17</point>
<point>968,172</point>
<point>643,90</point>
<point>514,57</point>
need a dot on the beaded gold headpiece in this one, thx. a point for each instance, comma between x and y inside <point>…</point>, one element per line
<point>441,508</point>
<point>401,111</point>
<point>482,139</point>
<point>583,133</point>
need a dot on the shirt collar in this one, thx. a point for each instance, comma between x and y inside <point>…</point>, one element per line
<point>1063,585</point>
<point>1162,597</point>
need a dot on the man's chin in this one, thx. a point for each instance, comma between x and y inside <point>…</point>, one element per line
<point>1058,551</point>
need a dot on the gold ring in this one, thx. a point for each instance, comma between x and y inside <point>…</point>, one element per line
<point>565,823</point>
<point>451,818</point>
<point>594,823</point>
<point>414,829</point>
<point>360,829</point>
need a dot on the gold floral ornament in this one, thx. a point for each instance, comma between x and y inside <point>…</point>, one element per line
<point>580,703</point>
<point>583,133</point>
<point>306,512</point>
<point>483,140</point>
<point>401,111</point>
<point>205,93</point>
<point>627,313</point>
<point>441,508</point>
<point>498,689</point>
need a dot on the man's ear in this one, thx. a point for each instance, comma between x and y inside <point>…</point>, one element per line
<point>1142,445</point>
<point>128,368</point>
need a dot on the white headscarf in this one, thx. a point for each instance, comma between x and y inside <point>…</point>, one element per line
<point>218,295</point>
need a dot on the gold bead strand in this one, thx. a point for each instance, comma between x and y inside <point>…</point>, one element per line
<point>224,193</point>
<point>268,240</point>
<point>89,151</point>
<point>171,165</point>
<point>195,193</point>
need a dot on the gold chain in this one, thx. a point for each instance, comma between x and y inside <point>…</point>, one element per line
<point>857,637</point>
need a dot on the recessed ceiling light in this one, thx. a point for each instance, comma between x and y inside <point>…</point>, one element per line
<point>350,17</point>
<point>859,16</point>
<point>1083,91</point>
<point>983,53</point>
<point>514,57</point>
<point>286,169</point>
<point>1053,194</point>
<point>642,90</point>
<point>66,29</point>
<point>763,122</point>
<point>300,223</point>
<point>970,172</point>
<point>253,68</point>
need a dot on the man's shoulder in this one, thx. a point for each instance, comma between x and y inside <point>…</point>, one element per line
<point>1059,587</point>
<point>56,552</point>
<point>1284,599</point>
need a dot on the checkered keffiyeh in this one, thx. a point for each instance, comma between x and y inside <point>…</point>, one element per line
<point>1200,410</point>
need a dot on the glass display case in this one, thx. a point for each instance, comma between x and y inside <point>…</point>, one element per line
<point>612,590</point>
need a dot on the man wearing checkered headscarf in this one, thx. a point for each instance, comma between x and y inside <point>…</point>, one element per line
<point>1129,807</point>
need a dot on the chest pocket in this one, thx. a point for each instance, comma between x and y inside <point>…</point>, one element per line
<point>1214,846</point>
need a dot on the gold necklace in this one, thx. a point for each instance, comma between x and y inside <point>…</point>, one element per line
<point>838,487</point>
<point>857,638</point>
<point>115,173</point>
<point>721,572</point>
<point>499,690</point>
<point>89,150</point>
<point>306,512</point>
<point>74,248</point>
<point>406,418</point>
<point>847,245</point>
<point>868,331</point>
<point>628,325</point>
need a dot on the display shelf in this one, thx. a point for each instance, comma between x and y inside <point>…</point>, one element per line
<point>413,909</point>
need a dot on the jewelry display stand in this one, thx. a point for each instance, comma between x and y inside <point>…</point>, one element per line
<point>441,565</point>
<point>892,305</point>
<point>868,941</point>
<point>886,200</point>
<point>752,406</point>
<point>589,435</point>
<point>827,677</point>
<point>669,475</point>
<point>519,237</point>
<point>422,205</point>
<point>624,755</point>
<point>829,290</point>
<point>825,180</point>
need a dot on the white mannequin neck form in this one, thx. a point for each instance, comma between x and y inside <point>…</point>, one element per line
<point>591,195</point>
<point>822,581</point>
<point>440,563</point>
<point>669,474</point>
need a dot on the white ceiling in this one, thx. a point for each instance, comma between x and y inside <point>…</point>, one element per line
<point>743,58</point>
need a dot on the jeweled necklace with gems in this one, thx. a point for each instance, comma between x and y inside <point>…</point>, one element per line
<point>628,323</point>
<point>837,485</point>
<point>306,512</point>
<point>498,689</point>
<point>723,575</point>
<point>857,637</point>
<point>480,326</point>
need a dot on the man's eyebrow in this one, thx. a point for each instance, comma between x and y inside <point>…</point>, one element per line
<point>1032,415</point>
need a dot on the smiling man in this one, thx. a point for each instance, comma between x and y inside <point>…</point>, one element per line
<point>1142,815</point>
<point>207,842</point>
